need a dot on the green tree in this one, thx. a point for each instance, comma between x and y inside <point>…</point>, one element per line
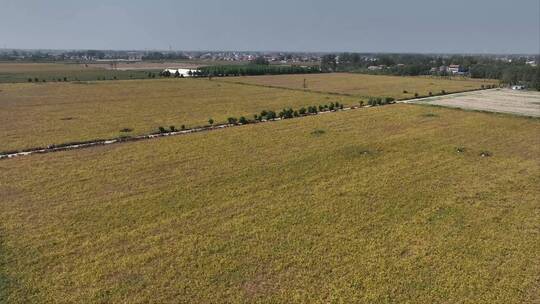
<point>331,106</point>
<point>260,60</point>
<point>329,63</point>
<point>389,100</point>
<point>271,115</point>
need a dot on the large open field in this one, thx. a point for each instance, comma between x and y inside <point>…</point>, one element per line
<point>42,114</point>
<point>374,206</point>
<point>364,86</point>
<point>52,72</point>
<point>55,113</point>
<point>16,72</point>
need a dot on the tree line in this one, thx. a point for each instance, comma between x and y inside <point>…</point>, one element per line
<point>512,71</point>
<point>255,69</point>
<point>286,113</point>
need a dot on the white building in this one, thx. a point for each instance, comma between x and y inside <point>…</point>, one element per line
<point>455,69</point>
<point>376,67</point>
<point>181,72</point>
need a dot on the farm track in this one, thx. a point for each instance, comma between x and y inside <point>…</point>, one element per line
<point>117,140</point>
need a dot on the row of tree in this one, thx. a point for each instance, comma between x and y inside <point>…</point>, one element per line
<point>287,113</point>
<point>255,69</point>
<point>508,73</point>
<point>164,56</point>
<point>380,101</point>
<point>515,71</point>
<point>243,70</point>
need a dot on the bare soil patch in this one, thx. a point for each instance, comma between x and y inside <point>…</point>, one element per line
<point>525,103</point>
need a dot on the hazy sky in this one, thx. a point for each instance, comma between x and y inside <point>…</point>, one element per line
<point>470,26</point>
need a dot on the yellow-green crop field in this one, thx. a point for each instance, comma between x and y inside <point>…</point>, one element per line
<point>41,114</point>
<point>6,67</point>
<point>54,72</point>
<point>365,86</point>
<point>33,115</point>
<point>368,206</point>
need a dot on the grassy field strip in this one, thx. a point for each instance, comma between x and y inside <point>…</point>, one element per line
<point>366,86</point>
<point>402,99</point>
<point>111,141</point>
<point>55,72</point>
<point>290,89</point>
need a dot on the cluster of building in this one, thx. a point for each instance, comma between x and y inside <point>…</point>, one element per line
<point>133,56</point>
<point>453,69</point>
<point>519,87</point>
<point>276,57</point>
<point>383,66</point>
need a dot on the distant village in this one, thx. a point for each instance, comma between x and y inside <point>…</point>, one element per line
<point>518,69</point>
<point>134,56</point>
<point>230,56</point>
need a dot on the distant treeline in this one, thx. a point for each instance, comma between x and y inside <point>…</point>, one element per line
<point>509,72</point>
<point>256,69</point>
<point>164,56</point>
